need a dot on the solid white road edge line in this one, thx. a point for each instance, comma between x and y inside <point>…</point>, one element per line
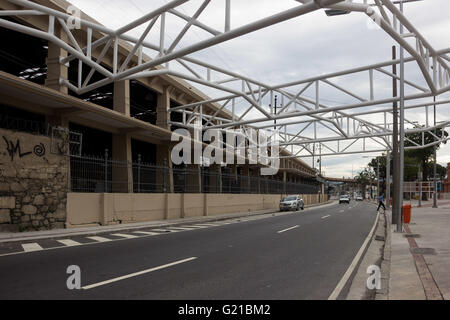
<point>354,263</point>
<point>95,285</point>
<point>294,227</point>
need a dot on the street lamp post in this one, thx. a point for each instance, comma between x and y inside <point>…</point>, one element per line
<point>402,130</point>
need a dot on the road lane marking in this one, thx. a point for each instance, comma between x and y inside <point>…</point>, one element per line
<point>209,225</point>
<point>164,230</point>
<point>197,226</point>
<point>30,247</point>
<point>147,233</point>
<point>341,211</point>
<point>181,228</point>
<point>335,294</point>
<point>291,228</point>
<point>122,235</point>
<point>327,216</point>
<point>131,275</point>
<point>69,243</point>
<point>99,239</point>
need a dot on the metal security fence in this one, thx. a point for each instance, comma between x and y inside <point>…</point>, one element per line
<point>103,175</point>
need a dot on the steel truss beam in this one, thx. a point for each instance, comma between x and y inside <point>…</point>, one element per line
<point>338,123</point>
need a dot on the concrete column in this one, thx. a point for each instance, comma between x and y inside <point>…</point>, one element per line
<point>162,109</point>
<point>194,178</point>
<point>164,178</point>
<point>215,178</point>
<point>122,174</point>
<point>256,175</point>
<point>245,172</point>
<point>163,152</point>
<point>55,70</point>
<point>122,97</point>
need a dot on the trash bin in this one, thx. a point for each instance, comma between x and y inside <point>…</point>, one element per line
<point>390,201</point>
<point>407,213</point>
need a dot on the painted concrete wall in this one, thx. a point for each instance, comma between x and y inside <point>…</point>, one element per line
<point>84,209</point>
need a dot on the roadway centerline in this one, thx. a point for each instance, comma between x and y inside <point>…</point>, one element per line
<point>291,228</point>
<point>131,275</point>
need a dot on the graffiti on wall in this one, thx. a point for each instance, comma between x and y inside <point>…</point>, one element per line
<point>13,149</point>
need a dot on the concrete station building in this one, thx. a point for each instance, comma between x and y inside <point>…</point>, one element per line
<point>104,157</point>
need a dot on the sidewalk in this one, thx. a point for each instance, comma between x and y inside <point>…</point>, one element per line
<point>56,233</point>
<point>420,256</point>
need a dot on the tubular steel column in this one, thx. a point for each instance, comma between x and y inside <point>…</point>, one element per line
<point>396,195</point>
<point>402,131</point>
<point>388,179</point>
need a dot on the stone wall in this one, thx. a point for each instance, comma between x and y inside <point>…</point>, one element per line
<point>33,182</point>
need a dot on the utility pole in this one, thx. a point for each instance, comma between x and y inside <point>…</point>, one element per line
<point>388,179</point>
<point>434,162</point>
<point>378,176</point>
<point>275,109</point>
<point>396,194</point>
<point>419,177</point>
<point>402,130</point>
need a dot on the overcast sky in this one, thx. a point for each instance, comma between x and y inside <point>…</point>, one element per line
<point>306,46</point>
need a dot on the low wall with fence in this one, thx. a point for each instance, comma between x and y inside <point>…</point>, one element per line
<point>85,209</point>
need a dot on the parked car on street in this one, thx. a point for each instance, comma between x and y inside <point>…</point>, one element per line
<point>359,198</point>
<point>292,203</point>
<point>344,199</point>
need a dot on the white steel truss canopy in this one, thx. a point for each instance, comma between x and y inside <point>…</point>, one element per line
<point>310,127</point>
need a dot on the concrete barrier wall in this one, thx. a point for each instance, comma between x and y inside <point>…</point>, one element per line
<point>84,209</point>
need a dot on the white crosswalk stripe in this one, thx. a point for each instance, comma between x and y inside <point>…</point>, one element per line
<point>209,225</point>
<point>30,247</point>
<point>99,239</point>
<point>163,230</point>
<point>122,235</point>
<point>69,243</point>
<point>182,228</point>
<point>147,233</point>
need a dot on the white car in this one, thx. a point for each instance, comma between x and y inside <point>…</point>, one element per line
<point>292,203</point>
<point>359,198</point>
<point>344,199</point>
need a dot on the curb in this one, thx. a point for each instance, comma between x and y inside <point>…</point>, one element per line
<point>155,224</point>
<point>383,293</point>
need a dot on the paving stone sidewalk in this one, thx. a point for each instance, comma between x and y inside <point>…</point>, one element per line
<point>420,256</point>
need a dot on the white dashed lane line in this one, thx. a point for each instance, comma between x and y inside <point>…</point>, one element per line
<point>327,216</point>
<point>131,275</point>
<point>288,229</point>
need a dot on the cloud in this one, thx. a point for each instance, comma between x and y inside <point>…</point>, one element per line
<point>302,47</point>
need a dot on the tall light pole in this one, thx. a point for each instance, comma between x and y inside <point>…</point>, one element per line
<point>388,179</point>
<point>402,130</point>
<point>434,164</point>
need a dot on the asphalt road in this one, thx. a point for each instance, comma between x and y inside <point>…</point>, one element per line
<point>300,255</point>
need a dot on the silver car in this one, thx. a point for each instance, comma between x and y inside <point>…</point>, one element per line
<point>292,203</point>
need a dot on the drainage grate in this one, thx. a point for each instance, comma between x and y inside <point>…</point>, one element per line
<point>423,251</point>
<point>412,235</point>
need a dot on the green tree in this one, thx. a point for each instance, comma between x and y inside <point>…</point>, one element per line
<point>425,155</point>
<point>364,178</point>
